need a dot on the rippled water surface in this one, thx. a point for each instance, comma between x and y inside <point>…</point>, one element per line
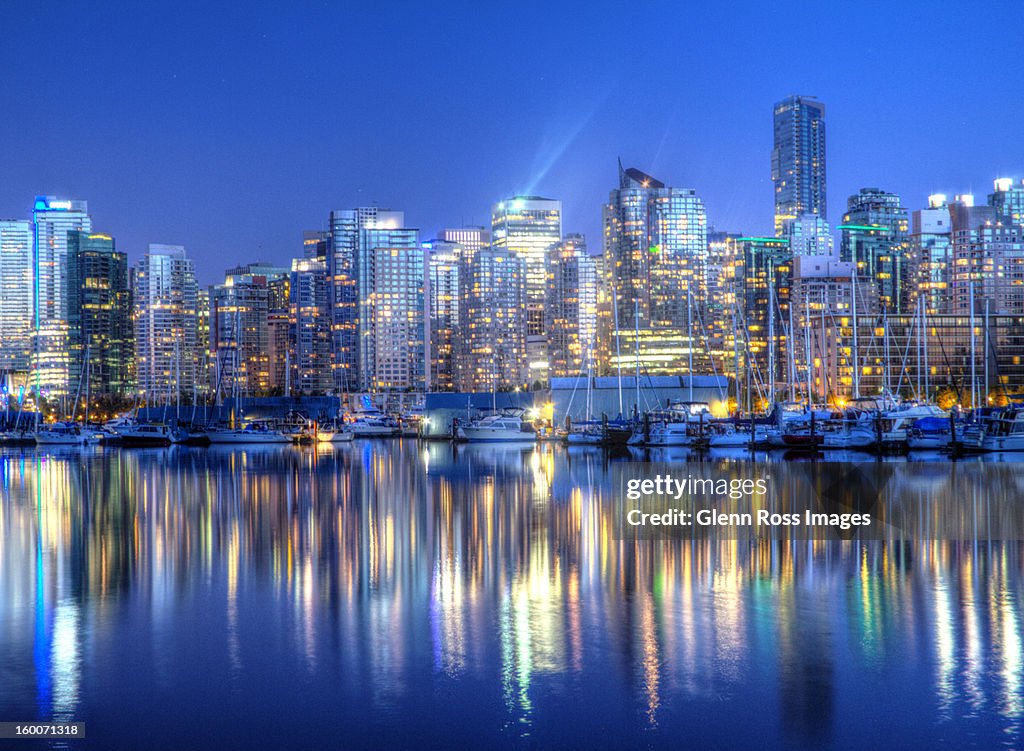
<point>394,594</point>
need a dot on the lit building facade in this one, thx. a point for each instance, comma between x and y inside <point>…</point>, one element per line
<point>798,159</point>
<point>16,300</point>
<point>808,235</point>
<point>53,218</point>
<point>931,250</point>
<point>655,266</point>
<point>240,332</point>
<point>390,314</point>
<point>165,298</point>
<point>571,307</point>
<point>760,274</point>
<point>311,327</point>
<point>441,296</point>
<point>528,226</point>
<point>874,238</point>
<point>492,315</point>
<point>99,315</point>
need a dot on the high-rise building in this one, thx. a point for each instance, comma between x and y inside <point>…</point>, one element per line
<point>655,261</point>
<point>441,297</point>
<point>528,226</point>
<point>1008,201</point>
<point>240,331</point>
<point>931,252</point>
<point>53,218</point>
<point>798,159</point>
<point>343,251</point>
<point>99,315</point>
<point>988,260</point>
<point>471,239</point>
<point>492,316</point>
<point>164,294</point>
<point>311,327</point>
<point>808,235</point>
<point>760,274</point>
<point>16,301</point>
<point>571,307</point>
<point>874,238</point>
<point>391,325</point>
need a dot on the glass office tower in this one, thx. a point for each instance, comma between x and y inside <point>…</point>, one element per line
<point>798,159</point>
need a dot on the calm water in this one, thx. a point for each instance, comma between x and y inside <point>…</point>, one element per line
<point>394,594</point>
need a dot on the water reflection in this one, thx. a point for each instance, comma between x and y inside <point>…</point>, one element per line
<point>396,583</point>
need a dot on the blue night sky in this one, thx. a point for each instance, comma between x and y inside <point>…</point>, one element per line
<point>232,130</point>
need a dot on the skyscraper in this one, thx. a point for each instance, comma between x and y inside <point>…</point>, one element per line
<point>931,252</point>
<point>240,331</point>
<point>874,238</point>
<point>655,261</point>
<point>441,293</point>
<point>808,235</point>
<point>99,314</point>
<point>53,219</point>
<point>492,316</point>
<point>798,159</point>
<point>343,251</point>
<point>311,324</point>
<point>528,226</point>
<point>571,307</point>
<point>167,355</point>
<point>391,326</point>
<point>16,301</point>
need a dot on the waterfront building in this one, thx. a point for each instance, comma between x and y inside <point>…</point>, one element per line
<point>874,238</point>
<point>16,300</point>
<point>391,323</point>
<point>798,159</point>
<point>528,226</point>
<point>1007,200</point>
<point>759,273</point>
<point>311,327</point>
<point>570,307</point>
<point>471,239</point>
<point>53,218</point>
<point>99,309</point>
<point>441,297</point>
<point>204,363</point>
<point>655,261</point>
<point>240,332</point>
<point>931,251</point>
<point>315,245</point>
<point>819,357</point>
<point>165,300</point>
<point>492,314</point>
<point>808,235</point>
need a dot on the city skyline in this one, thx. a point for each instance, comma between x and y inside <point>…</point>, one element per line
<point>242,126</point>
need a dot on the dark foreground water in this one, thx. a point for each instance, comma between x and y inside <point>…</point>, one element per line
<point>398,595</point>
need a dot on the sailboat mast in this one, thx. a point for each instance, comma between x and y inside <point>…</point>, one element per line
<point>771,335</point>
<point>689,325</point>
<point>970,294</point>
<point>856,351</point>
<point>618,345</point>
<point>636,335</point>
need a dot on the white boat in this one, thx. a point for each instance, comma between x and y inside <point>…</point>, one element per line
<point>1004,432</point>
<point>372,423</point>
<point>254,432</point>
<point>682,424</point>
<point>896,424</point>
<point>853,435</point>
<point>146,434</point>
<point>333,433</point>
<point>729,437</point>
<point>61,434</point>
<point>506,426</point>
